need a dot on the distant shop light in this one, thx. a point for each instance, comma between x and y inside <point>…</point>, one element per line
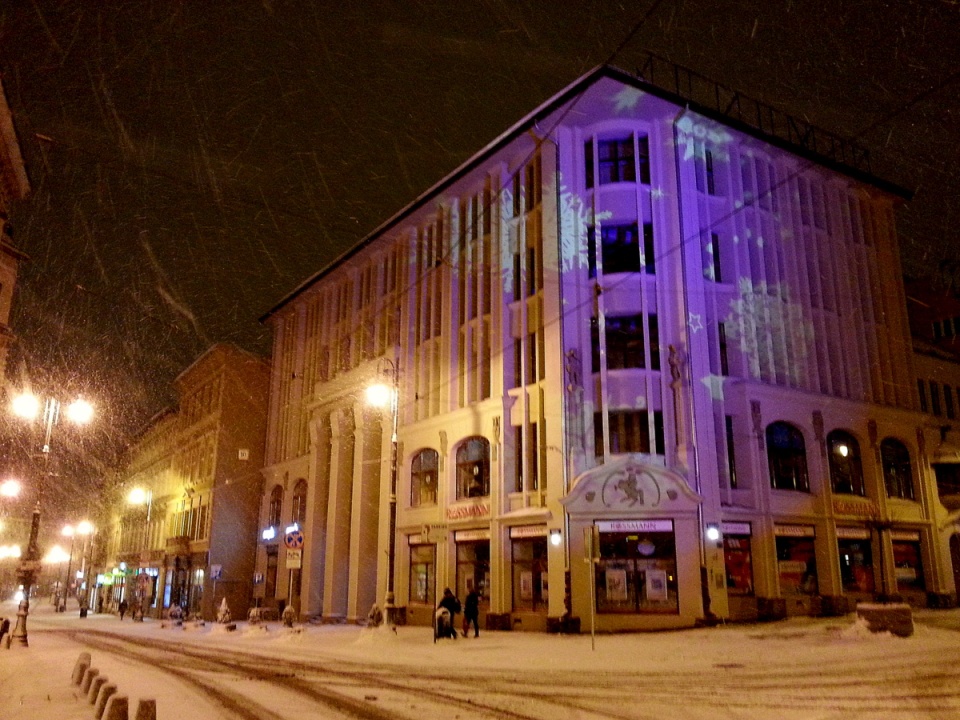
<point>269,534</point>
<point>556,537</point>
<point>291,528</point>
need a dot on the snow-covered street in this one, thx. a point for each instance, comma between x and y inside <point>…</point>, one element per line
<point>801,668</point>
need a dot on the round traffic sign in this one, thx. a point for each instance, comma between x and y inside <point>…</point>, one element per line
<point>293,540</point>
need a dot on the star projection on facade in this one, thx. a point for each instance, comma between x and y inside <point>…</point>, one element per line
<point>695,322</point>
<point>771,330</point>
<point>627,99</point>
<point>657,193</point>
<point>714,384</point>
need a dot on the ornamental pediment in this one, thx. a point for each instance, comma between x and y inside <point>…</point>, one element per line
<point>630,485</point>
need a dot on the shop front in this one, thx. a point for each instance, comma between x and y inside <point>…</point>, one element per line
<point>639,522</point>
<point>473,567</point>
<point>738,565</point>
<point>855,551</point>
<point>797,567</point>
<point>530,589</point>
<point>908,566</point>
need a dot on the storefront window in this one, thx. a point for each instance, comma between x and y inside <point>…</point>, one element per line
<point>856,565</point>
<point>637,570</point>
<point>846,471</point>
<point>908,565</point>
<point>423,563</point>
<point>473,569</point>
<point>797,565</point>
<point>530,591</point>
<point>739,563</point>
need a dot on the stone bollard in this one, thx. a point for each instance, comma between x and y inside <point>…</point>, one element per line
<point>106,692</point>
<point>146,710</point>
<point>98,682</point>
<point>896,618</point>
<point>88,677</point>
<point>80,667</point>
<point>117,708</point>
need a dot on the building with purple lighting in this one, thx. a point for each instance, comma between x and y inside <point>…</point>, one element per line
<point>666,334</point>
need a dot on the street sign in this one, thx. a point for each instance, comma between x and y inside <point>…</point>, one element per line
<point>293,540</point>
<point>216,572</point>
<point>294,559</point>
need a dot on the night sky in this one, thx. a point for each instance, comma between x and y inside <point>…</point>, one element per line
<point>193,162</point>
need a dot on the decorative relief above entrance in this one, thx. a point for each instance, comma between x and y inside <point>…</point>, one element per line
<point>630,485</point>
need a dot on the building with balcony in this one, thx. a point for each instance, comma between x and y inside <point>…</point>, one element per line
<point>652,362</point>
<point>189,539</point>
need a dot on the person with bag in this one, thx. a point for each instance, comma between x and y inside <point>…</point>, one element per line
<point>451,604</point>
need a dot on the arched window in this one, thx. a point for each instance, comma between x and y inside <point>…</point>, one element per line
<point>787,456</point>
<point>846,470</point>
<point>276,505</point>
<point>423,478</point>
<point>473,468</point>
<point>897,475</point>
<point>299,503</point>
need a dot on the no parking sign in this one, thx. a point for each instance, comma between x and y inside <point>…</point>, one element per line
<point>293,540</point>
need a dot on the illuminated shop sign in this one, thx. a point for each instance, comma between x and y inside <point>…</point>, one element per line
<point>467,535</point>
<point>908,535</point>
<point>735,528</point>
<point>853,533</point>
<point>793,530</point>
<point>619,526</point>
<point>466,512</point>
<point>528,531</point>
<point>857,508</point>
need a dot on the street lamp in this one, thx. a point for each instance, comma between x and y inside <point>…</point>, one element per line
<point>27,406</point>
<point>381,395</point>
<point>139,496</point>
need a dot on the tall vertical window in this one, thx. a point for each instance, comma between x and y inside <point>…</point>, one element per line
<point>731,451</point>
<point>722,340</point>
<point>787,457</point>
<point>298,503</point>
<point>616,160</point>
<point>948,402</point>
<point>922,393</point>
<point>630,432</point>
<point>276,506</point>
<point>473,468</point>
<point>846,470</point>
<point>423,478</point>
<point>619,248</point>
<point>649,259</point>
<point>897,475</point>
<point>423,564</point>
<point>935,399</point>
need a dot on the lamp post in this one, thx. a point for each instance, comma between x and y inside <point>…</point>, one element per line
<point>379,395</point>
<point>28,406</point>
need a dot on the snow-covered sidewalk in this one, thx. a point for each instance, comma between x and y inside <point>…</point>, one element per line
<point>35,681</point>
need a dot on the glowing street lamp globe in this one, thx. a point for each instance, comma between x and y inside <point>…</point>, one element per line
<point>80,411</point>
<point>137,496</point>
<point>10,488</point>
<point>26,406</point>
<point>379,395</point>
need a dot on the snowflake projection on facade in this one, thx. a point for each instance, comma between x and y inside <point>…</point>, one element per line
<point>627,99</point>
<point>657,193</point>
<point>695,130</point>
<point>714,384</point>
<point>771,330</point>
<point>575,218</point>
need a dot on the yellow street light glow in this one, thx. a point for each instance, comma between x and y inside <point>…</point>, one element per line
<point>9,551</point>
<point>137,496</point>
<point>379,395</point>
<point>56,555</point>
<point>26,406</point>
<point>84,527</point>
<point>67,531</point>
<point>80,411</point>
<point>10,488</point>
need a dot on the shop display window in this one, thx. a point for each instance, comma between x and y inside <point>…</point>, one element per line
<point>637,573</point>
<point>530,589</point>
<point>738,558</point>
<point>908,565</point>
<point>856,565</point>
<point>423,563</point>
<point>797,565</point>
<point>473,570</point>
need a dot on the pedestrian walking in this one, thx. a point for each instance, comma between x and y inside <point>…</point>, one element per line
<point>4,628</point>
<point>122,607</point>
<point>471,613</point>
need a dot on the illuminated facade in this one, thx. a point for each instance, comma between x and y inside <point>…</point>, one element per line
<point>629,327</point>
<point>188,540</point>
<point>14,186</point>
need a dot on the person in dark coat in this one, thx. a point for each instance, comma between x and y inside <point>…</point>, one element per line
<point>122,607</point>
<point>471,613</point>
<point>4,627</point>
<point>451,604</point>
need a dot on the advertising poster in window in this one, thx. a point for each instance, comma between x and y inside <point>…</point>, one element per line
<point>656,585</point>
<point>739,565</point>
<point>616,585</point>
<point>797,566</point>
<point>526,585</point>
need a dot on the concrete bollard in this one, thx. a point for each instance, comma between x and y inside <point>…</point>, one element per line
<point>106,692</point>
<point>117,708</point>
<point>146,710</point>
<point>98,682</point>
<point>88,677</point>
<point>80,667</point>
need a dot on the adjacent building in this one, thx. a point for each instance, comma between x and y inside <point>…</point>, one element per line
<point>652,364</point>
<point>188,494</point>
